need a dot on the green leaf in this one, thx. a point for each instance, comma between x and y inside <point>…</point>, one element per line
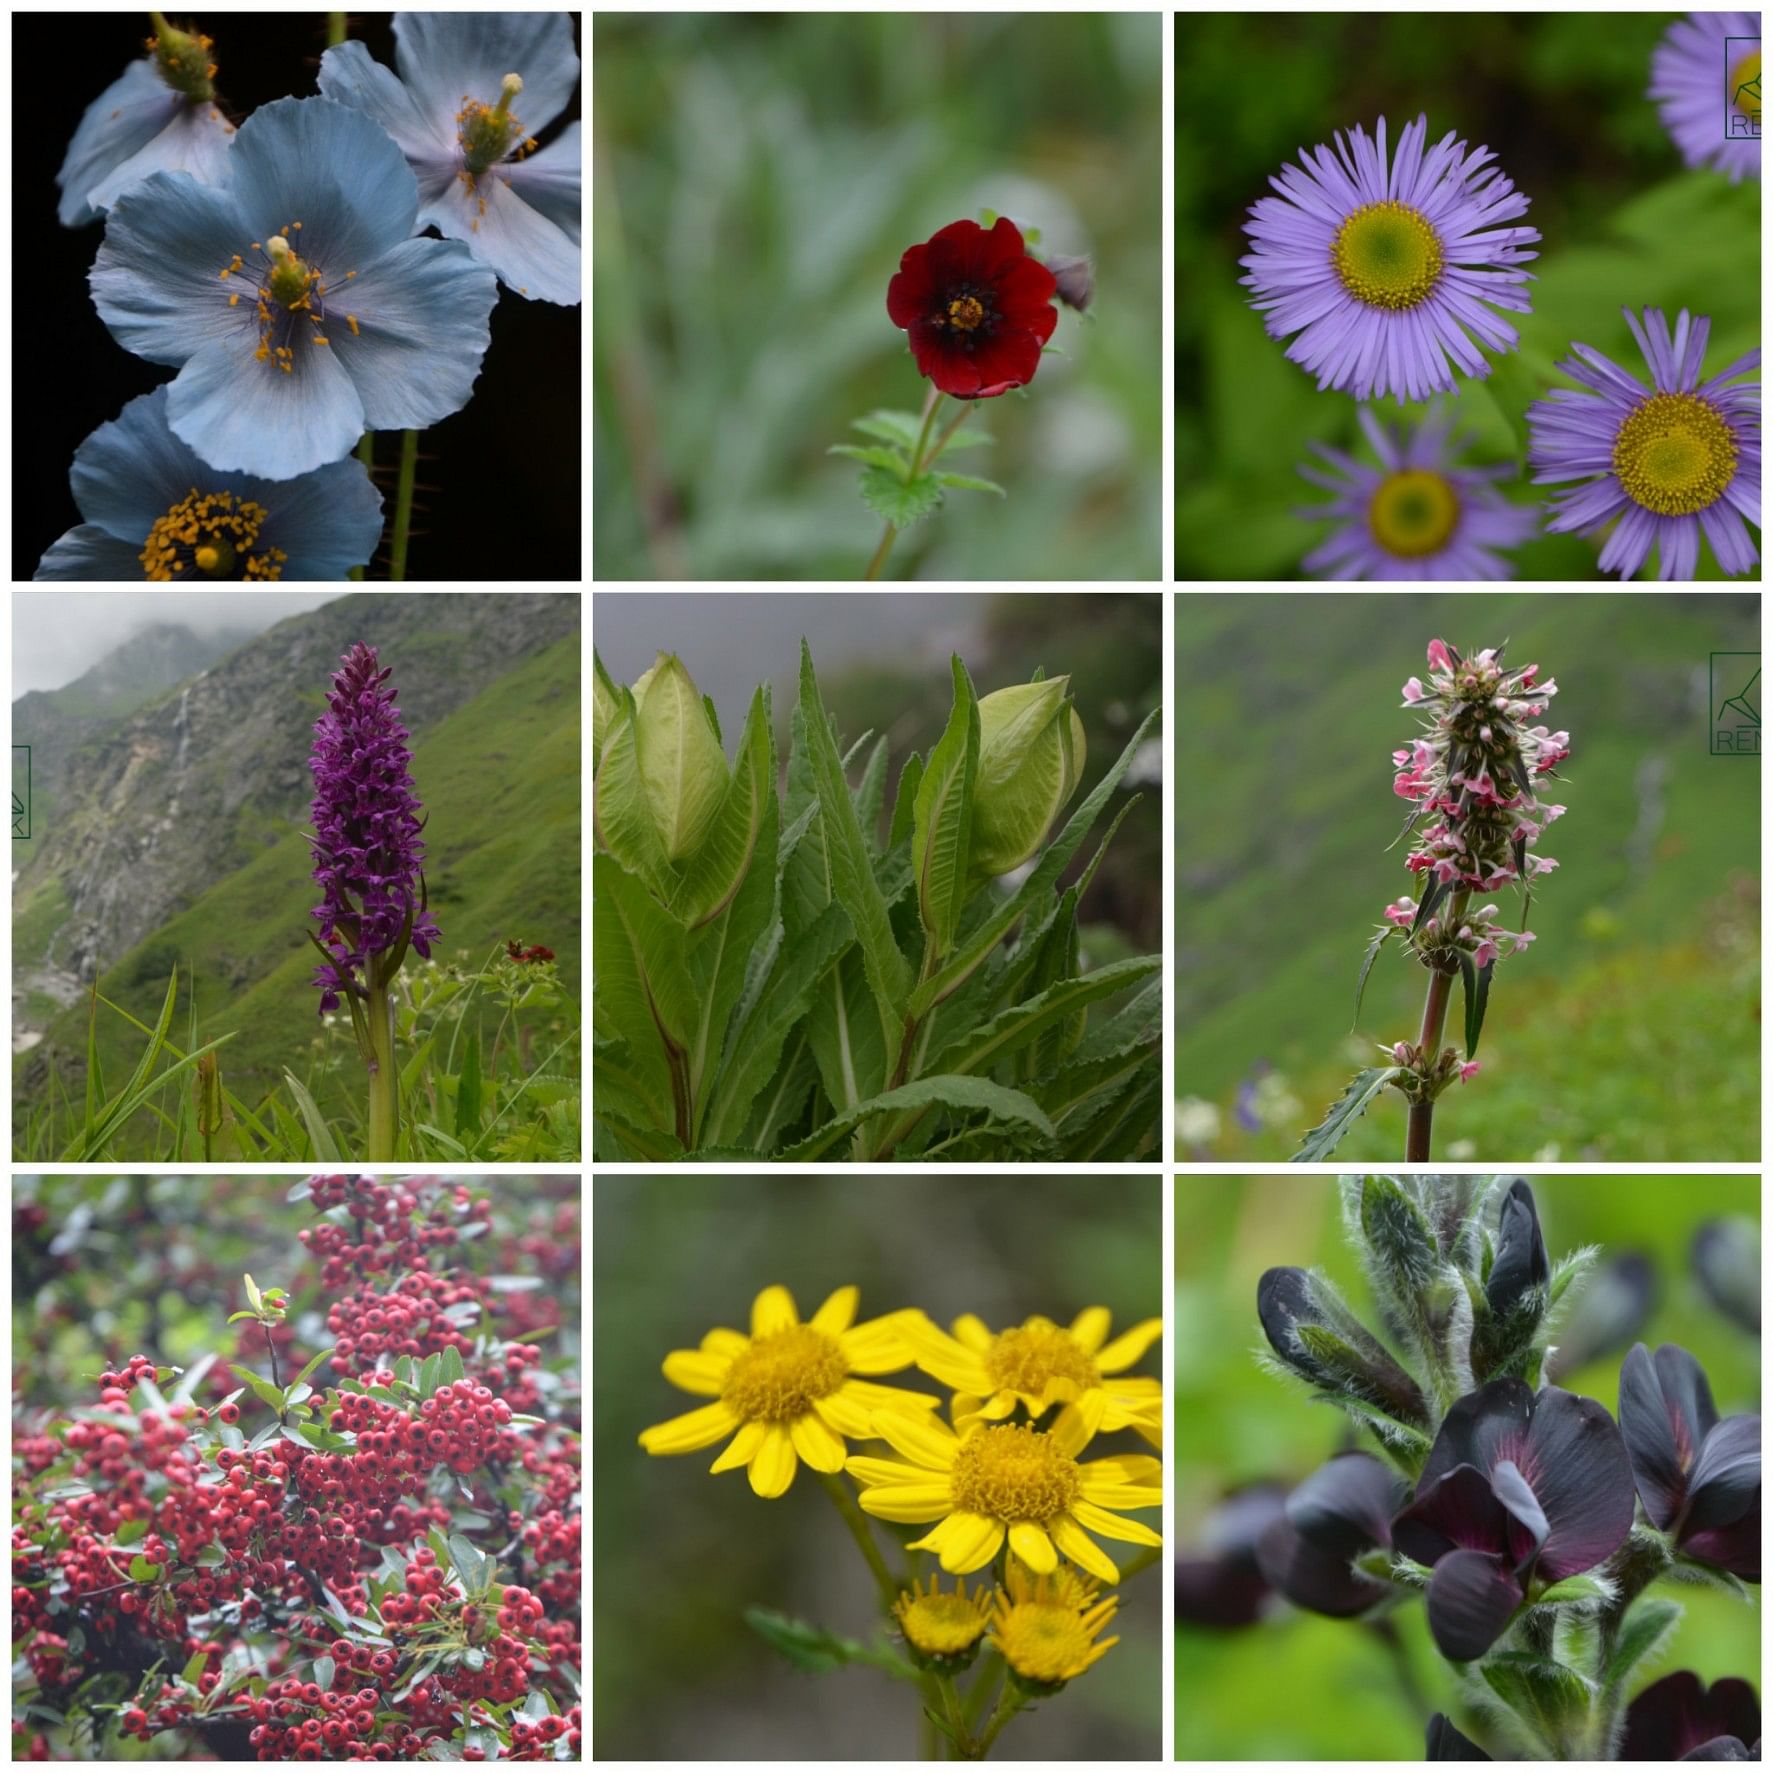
<point>195,1668</point>
<point>965,1093</point>
<point>620,811</point>
<point>302,1191</point>
<point>430,1376</point>
<point>313,1366</point>
<point>969,483</point>
<point>453,1371</point>
<point>141,1570</point>
<point>326,1148</point>
<point>890,427</point>
<point>967,438</point>
<point>240,1314</point>
<point>643,984</point>
<point>1477,999</point>
<point>468,1087</point>
<point>814,1650</point>
<point>1344,1112</point>
<point>1574,1589</point>
<point>324,1669</point>
<point>130,1531</point>
<point>210,1557</point>
<point>721,865</point>
<point>942,817</point>
<point>262,1389</point>
<point>1372,954</point>
<point>900,502</point>
<point>905,801</point>
<point>1645,1627</point>
<point>252,1293</point>
<point>1552,1701</point>
<point>892,460</point>
<point>1432,894</point>
<point>467,1559</point>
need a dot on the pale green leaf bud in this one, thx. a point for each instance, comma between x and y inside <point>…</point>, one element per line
<point>1031,755</point>
<point>604,710</point>
<point>683,770</point>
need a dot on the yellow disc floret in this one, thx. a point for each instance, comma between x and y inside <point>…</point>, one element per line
<point>1046,1627</point>
<point>1413,513</point>
<point>1029,1359</point>
<point>213,534</point>
<point>1388,255</point>
<point>778,1377</point>
<point>1014,1474</point>
<point>943,1625</point>
<point>1674,454</point>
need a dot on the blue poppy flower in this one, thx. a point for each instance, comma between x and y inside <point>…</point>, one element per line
<point>292,296</point>
<point>160,116</point>
<point>465,80</point>
<point>154,511</point>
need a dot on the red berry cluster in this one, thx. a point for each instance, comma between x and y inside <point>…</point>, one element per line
<point>383,1216</point>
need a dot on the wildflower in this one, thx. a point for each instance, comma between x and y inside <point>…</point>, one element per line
<point>1700,1478</point>
<point>368,854</point>
<point>1694,67</point>
<point>154,511</point>
<point>1031,756</point>
<point>1677,1717</point>
<point>1667,461</point>
<point>1379,265</point>
<point>788,1391</point>
<point>159,115</point>
<point>249,285</point>
<point>977,307</point>
<point>472,93</point>
<point>1041,1366</point>
<point>1418,516</point>
<point>999,1482</point>
<point>1048,1627</point>
<point>1518,1484</point>
<point>942,1628</point>
<point>1726,1258</point>
<point>1224,1586</point>
<point>1342,1510</point>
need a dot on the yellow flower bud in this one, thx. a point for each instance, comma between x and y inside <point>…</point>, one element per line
<point>1031,755</point>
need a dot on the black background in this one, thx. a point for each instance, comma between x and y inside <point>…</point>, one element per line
<point>506,473</point>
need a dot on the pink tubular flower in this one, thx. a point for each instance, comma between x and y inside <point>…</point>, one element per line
<point>1469,1070</point>
<point>1485,952</point>
<point>1401,912</point>
<point>1413,690</point>
<point>1438,656</point>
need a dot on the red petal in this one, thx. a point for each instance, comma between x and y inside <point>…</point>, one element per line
<point>1006,360</point>
<point>947,364</point>
<point>1025,291</point>
<point>1001,250</point>
<point>912,291</point>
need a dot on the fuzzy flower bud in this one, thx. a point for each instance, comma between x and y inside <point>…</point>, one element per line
<point>1031,755</point>
<point>368,854</point>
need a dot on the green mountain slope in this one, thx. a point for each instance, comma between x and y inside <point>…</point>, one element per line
<point>500,782</point>
<point>1629,1030</point>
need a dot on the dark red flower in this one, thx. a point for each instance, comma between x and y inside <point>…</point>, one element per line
<point>977,307</point>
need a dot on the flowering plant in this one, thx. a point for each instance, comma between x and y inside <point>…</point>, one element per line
<point>1475,778</point>
<point>777,979</point>
<point>1529,1521</point>
<point>1004,1491</point>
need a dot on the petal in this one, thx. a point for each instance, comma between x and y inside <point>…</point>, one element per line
<point>772,1310</point>
<point>1576,1463</point>
<point>1456,1510</point>
<point>887,1472</point>
<point>1520,1261</point>
<point>970,1332</point>
<point>238,413</point>
<point>1479,1429</point>
<point>1471,1598</point>
<point>351,76</point>
<point>1123,1495</point>
<point>944,1357</point>
<point>888,1397</point>
<point>1677,1714</point>
<point>1346,1505</point>
<point>1115,1526</point>
<point>877,1346</point>
<point>1008,359</point>
<point>690,1370</point>
<point>740,1448</point>
<point>1024,293</point>
<point>727,1342</point>
<point>691,1432</point>
<point>1527,1528</point>
<point>846,1415</point>
<point>838,1312</point>
<point>964,1542</point>
<point>132,470</point>
<point>156,281</point>
<point>1735,1547</point>
<point>1124,1468</point>
<point>946,364</point>
<point>773,1464</point>
<point>1129,1346</point>
<point>1083,1551</point>
<point>531,253</point>
<point>421,313</point>
<point>1072,1429</point>
<point>816,1444</point>
<point>442,55</point>
<point>1030,1543</point>
<point>121,121</point>
<point>326,522</point>
<point>1089,1329</point>
<point>90,553</point>
<point>912,292</point>
<point>196,140</point>
<point>924,1440</point>
<point>909,1504</point>
<point>1726,1479</point>
<point>335,171</point>
<point>1310,1576</point>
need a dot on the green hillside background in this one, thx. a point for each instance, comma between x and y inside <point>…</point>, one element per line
<point>1629,1031</point>
<point>499,779</point>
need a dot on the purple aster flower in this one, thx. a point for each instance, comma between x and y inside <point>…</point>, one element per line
<point>1380,265</point>
<point>474,90</point>
<point>154,511</point>
<point>292,296</point>
<point>1668,462</point>
<point>368,854</point>
<point>160,115</point>
<point>1709,90</point>
<point>1417,516</point>
<point>1679,1718</point>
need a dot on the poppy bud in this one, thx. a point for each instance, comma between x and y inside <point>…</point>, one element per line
<point>1031,754</point>
<point>1075,281</point>
<point>682,768</point>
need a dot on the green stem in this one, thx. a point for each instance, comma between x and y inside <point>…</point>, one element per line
<point>959,419</point>
<point>409,463</point>
<point>1419,1133</point>
<point>886,547</point>
<point>891,535</point>
<point>366,444</point>
<point>384,1079</point>
<point>857,1522</point>
<point>1142,1559</point>
<point>990,1667</point>
<point>1009,1702</point>
<point>335,29</point>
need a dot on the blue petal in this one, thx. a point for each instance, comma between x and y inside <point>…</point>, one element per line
<point>421,314</point>
<point>529,229</point>
<point>442,55</point>
<point>335,171</point>
<point>125,117</point>
<point>156,281</point>
<point>195,141</point>
<point>326,522</point>
<point>350,75</point>
<point>132,470</point>
<point>90,553</point>
<point>238,413</point>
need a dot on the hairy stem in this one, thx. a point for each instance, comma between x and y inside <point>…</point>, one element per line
<point>1434,1019</point>
<point>1009,1702</point>
<point>891,535</point>
<point>409,464</point>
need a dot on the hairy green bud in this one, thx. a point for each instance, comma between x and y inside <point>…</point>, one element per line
<point>683,770</point>
<point>1031,756</point>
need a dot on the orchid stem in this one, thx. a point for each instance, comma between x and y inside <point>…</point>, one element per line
<point>409,464</point>
<point>384,1080</point>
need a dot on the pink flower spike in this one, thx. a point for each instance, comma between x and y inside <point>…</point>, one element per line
<point>1468,1070</point>
<point>1438,656</point>
<point>1402,912</point>
<point>1553,812</point>
<point>1413,691</point>
<point>1528,675</point>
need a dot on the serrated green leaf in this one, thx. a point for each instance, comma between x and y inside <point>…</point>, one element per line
<point>967,438</point>
<point>890,427</point>
<point>874,454</point>
<point>900,502</point>
<point>970,483</point>
<point>1367,959</point>
<point>1354,1101</point>
<point>969,1094</point>
<point>942,817</point>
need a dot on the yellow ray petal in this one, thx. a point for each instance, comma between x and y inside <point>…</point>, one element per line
<point>971,1333</point>
<point>1030,1543</point>
<point>1075,1425</point>
<point>941,1356</point>
<point>838,1312</point>
<point>740,1448</point>
<point>772,1310</point>
<point>1083,1551</point>
<point>1113,1526</point>
<point>816,1444</point>
<point>727,1342</point>
<point>912,1504</point>
<point>877,1346</point>
<point>691,1432</point>
<point>1089,1329</point>
<point>1129,1345</point>
<point>964,1542</point>
<point>690,1370</point>
<point>1123,1468</point>
<point>845,1415</point>
<point>922,1439</point>
<point>773,1464</point>
<point>887,1397</point>
<point>884,1471</point>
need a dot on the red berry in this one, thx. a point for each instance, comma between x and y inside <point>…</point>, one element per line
<point>229,1412</point>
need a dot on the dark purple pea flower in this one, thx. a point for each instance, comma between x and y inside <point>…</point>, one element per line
<point>1700,1478</point>
<point>1341,1511</point>
<point>1223,1586</point>
<point>1680,1719</point>
<point>1521,1263</point>
<point>1446,1743</point>
<point>1727,1261</point>
<point>1518,1485</point>
<point>368,854</point>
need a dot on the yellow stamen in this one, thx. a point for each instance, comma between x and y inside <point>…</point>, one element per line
<point>351,321</point>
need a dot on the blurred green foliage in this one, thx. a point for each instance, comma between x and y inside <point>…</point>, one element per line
<point>757,178</point>
<point>1630,1030</point>
<point>1563,106</point>
<point>1236,1424</point>
<point>680,1554</point>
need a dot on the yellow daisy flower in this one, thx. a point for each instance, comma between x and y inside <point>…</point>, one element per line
<point>1041,1365</point>
<point>944,1628</point>
<point>1046,1628</point>
<point>997,1481</point>
<point>788,1391</point>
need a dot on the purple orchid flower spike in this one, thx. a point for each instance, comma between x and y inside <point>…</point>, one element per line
<point>1699,1477</point>
<point>1342,1510</point>
<point>1680,1719</point>
<point>1518,1486</point>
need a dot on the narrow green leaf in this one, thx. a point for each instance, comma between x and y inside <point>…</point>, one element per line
<point>968,483</point>
<point>1343,1113</point>
<point>195,1668</point>
<point>969,1094</point>
<point>942,818</point>
<point>905,801</point>
<point>900,502</point>
<point>468,1088</point>
<point>1432,894</point>
<point>326,1148</point>
<point>1379,940</point>
<point>313,1366</point>
<point>262,1389</point>
<point>1477,1000</point>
